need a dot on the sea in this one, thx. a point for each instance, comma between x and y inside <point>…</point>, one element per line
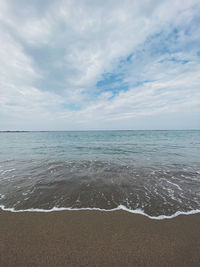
<point>154,173</point>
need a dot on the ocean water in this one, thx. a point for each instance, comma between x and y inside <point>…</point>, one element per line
<point>156,173</point>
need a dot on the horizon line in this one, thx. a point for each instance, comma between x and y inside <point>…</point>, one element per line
<point>103,130</point>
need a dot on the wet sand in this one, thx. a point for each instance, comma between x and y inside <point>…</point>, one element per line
<point>93,238</point>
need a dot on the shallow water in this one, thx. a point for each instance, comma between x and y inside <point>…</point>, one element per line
<point>156,172</point>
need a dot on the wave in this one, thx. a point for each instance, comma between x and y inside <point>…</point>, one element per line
<point>120,207</point>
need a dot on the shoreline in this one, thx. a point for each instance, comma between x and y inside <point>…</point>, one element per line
<point>119,208</point>
<point>97,238</point>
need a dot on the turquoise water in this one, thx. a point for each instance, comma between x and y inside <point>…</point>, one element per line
<point>157,172</point>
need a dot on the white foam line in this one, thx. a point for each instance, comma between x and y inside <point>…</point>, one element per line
<point>120,207</point>
<point>174,184</point>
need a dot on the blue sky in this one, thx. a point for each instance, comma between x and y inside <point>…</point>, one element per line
<point>88,65</point>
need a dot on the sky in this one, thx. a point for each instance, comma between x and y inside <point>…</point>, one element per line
<point>99,64</point>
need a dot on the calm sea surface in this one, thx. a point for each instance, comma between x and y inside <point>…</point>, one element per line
<point>157,172</point>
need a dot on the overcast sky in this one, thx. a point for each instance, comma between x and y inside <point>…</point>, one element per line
<point>99,64</point>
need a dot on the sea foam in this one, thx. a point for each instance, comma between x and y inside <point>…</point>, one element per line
<point>120,207</point>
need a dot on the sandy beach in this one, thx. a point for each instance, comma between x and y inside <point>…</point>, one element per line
<point>94,238</point>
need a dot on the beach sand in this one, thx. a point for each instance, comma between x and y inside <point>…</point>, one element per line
<point>94,238</point>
